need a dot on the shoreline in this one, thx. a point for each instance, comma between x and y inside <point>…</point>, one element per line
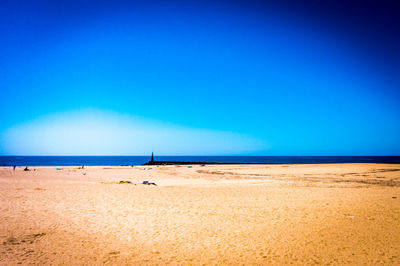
<point>168,163</point>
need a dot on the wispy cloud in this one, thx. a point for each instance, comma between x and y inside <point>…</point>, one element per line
<point>94,132</point>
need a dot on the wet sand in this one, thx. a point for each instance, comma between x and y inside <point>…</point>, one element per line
<point>218,214</point>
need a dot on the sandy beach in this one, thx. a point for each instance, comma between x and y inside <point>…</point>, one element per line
<point>201,215</point>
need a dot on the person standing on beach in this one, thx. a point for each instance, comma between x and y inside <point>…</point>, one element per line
<point>14,167</point>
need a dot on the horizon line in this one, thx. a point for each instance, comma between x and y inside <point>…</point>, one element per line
<point>200,155</point>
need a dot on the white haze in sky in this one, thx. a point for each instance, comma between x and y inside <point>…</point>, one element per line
<point>93,132</point>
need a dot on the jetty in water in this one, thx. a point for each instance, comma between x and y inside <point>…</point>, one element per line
<point>153,162</point>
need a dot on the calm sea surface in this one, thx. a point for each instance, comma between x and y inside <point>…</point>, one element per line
<point>139,160</point>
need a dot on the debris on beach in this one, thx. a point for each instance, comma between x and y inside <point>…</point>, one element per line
<point>125,182</point>
<point>149,183</point>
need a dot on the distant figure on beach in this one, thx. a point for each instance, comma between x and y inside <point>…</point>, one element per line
<point>26,168</point>
<point>83,166</point>
<point>14,167</point>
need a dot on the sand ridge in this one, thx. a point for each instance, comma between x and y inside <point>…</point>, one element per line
<point>214,214</point>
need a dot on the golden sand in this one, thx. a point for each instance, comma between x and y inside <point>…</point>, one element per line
<point>219,214</point>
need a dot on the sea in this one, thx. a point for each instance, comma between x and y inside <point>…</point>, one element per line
<point>140,160</point>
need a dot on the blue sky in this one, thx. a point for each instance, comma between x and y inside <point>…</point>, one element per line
<point>242,77</point>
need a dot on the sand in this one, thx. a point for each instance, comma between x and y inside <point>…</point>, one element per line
<point>219,214</point>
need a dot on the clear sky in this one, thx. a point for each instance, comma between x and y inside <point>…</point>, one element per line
<point>200,78</point>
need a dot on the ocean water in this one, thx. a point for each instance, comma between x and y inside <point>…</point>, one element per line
<point>139,160</point>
